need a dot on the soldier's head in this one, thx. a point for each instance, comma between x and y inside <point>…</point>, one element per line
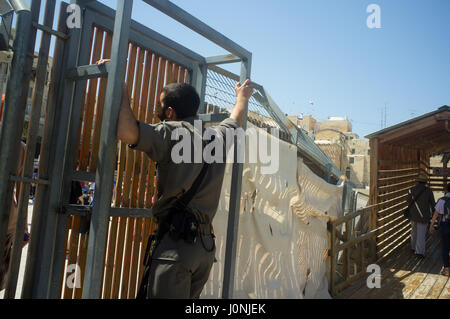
<point>177,102</point>
<point>448,188</point>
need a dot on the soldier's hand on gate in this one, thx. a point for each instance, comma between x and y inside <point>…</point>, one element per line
<point>245,90</point>
<point>102,61</point>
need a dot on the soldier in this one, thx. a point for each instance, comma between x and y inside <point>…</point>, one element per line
<point>180,260</point>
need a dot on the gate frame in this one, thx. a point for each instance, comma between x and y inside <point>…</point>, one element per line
<point>47,275</point>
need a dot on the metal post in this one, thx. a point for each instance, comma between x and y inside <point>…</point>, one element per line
<point>33,128</point>
<point>199,82</point>
<point>14,113</point>
<point>75,97</point>
<point>39,215</point>
<point>235,201</point>
<point>46,259</point>
<point>105,172</point>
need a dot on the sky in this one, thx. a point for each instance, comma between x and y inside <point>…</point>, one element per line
<point>323,51</point>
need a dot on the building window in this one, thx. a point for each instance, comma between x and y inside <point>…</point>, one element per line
<point>347,172</point>
<point>353,151</point>
<point>368,152</point>
<point>352,160</point>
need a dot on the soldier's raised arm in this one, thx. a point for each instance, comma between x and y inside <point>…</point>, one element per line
<point>243,94</point>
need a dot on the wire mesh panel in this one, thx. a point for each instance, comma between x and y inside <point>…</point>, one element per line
<point>220,97</point>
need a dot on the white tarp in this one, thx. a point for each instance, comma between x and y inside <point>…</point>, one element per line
<point>282,237</point>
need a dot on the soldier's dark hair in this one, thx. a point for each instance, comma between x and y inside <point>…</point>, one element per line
<point>183,98</point>
<point>448,188</point>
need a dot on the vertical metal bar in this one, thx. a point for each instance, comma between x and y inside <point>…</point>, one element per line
<point>41,190</point>
<point>69,156</point>
<point>52,203</point>
<point>235,201</point>
<point>200,85</point>
<point>14,113</point>
<point>105,171</point>
<point>33,128</point>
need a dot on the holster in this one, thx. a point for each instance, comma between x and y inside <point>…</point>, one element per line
<point>183,224</point>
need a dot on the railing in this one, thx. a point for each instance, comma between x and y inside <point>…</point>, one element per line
<point>363,237</point>
<point>350,235</point>
<point>371,234</point>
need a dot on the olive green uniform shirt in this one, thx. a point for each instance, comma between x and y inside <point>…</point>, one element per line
<point>175,179</point>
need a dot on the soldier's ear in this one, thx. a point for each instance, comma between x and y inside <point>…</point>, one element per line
<point>171,114</point>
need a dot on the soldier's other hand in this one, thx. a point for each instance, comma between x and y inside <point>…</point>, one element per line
<point>245,90</point>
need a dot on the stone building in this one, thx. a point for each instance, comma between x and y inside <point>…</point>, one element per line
<point>335,138</point>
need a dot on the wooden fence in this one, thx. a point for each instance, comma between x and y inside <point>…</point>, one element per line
<point>146,75</point>
<point>356,241</point>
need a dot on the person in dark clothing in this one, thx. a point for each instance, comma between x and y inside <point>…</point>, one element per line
<point>443,209</point>
<point>75,193</point>
<point>422,203</point>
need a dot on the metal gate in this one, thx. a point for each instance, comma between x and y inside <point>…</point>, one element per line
<point>79,143</point>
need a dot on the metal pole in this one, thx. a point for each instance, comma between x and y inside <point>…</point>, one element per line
<point>199,82</point>
<point>105,172</point>
<point>14,113</point>
<point>33,128</point>
<point>235,201</point>
<point>75,97</point>
<point>45,259</point>
<point>39,215</point>
<point>19,5</point>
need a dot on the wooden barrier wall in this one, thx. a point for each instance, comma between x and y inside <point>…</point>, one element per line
<point>146,75</point>
<point>395,173</point>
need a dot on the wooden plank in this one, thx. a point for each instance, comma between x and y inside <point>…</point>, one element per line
<point>409,131</point>
<point>422,291</point>
<point>90,104</point>
<point>73,250</point>
<point>390,241</point>
<point>169,73</point>
<point>119,252</point>
<point>413,283</point>
<point>387,211</point>
<point>129,282</point>
<point>63,272</point>
<point>99,110</point>
<point>406,280</point>
<point>410,182</point>
<point>126,225</point>
<point>388,218</point>
<point>445,291</point>
<point>145,187</point>
<point>398,170</point>
<point>390,178</point>
<point>437,288</point>
<point>394,230</point>
<point>113,229</point>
